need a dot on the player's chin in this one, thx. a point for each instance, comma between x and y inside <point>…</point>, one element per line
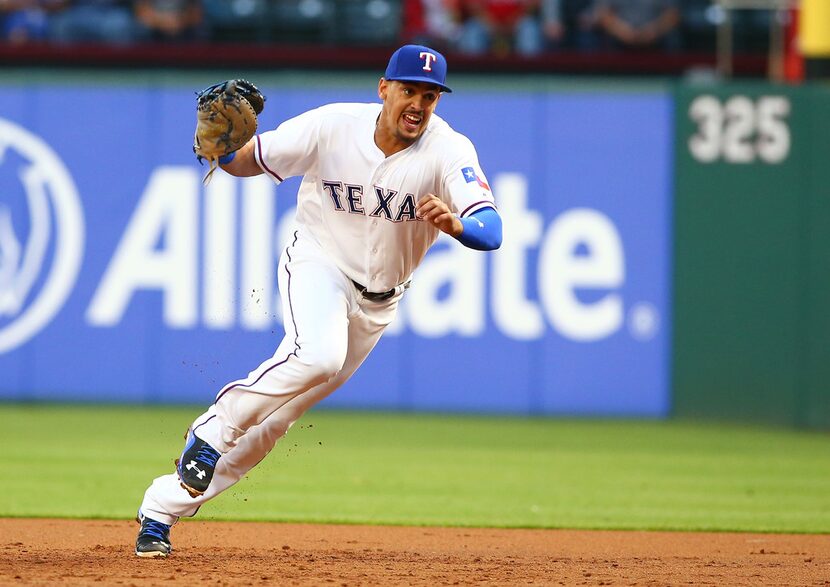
<point>410,132</point>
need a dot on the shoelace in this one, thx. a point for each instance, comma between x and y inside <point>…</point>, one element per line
<point>156,529</point>
<point>208,455</point>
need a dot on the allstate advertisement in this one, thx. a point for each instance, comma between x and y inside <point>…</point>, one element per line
<point>124,279</point>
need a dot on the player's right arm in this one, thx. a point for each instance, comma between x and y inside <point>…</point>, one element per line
<point>243,163</point>
<point>284,152</point>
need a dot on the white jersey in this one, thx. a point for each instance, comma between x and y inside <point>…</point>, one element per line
<point>358,203</point>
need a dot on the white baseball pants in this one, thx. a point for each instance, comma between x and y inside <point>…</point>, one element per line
<point>329,331</point>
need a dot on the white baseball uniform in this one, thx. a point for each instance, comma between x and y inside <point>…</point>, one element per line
<point>357,230</point>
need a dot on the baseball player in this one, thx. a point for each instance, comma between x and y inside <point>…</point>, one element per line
<point>380,182</point>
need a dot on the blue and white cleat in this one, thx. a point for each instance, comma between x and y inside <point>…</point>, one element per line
<point>153,538</point>
<point>196,465</point>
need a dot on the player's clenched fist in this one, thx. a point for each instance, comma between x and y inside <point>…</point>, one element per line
<point>432,209</point>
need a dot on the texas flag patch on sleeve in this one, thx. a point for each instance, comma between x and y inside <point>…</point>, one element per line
<point>470,176</point>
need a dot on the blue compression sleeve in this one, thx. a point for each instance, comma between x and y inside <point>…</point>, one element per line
<point>225,159</point>
<point>482,230</point>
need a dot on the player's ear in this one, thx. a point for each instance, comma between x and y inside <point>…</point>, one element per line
<point>382,87</point>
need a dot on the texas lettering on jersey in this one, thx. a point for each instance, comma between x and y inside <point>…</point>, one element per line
<point>346,176</point>
<point>349,197</point>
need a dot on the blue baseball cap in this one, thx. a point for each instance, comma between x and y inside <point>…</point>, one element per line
<point>416,63</point>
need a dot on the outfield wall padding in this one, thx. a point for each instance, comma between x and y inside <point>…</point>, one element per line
<point>666,251</point>
<point>143,285</point>
<point>752,252</point>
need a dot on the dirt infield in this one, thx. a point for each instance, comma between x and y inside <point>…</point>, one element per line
<point>68,552</point>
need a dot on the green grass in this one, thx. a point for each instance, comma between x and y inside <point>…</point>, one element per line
<point>417,469</point>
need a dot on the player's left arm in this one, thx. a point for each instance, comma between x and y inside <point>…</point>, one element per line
<point>481,230</point>
<point>466,209</point>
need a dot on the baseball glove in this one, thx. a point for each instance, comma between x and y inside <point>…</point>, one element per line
<point>226,119</point>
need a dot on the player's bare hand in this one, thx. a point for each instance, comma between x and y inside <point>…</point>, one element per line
<point>432,209</point>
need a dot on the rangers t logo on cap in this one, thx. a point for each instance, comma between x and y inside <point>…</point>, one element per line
<point>416,63</point>
<point>428,57</point>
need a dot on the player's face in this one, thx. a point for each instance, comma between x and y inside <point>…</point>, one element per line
<point>407,107</point>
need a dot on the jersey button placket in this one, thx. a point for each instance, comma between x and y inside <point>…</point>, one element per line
<point>374,243</point>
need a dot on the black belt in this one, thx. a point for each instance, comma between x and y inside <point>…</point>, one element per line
<point>374,296</point>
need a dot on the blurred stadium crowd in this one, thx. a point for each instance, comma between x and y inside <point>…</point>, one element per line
<point>473,27</point>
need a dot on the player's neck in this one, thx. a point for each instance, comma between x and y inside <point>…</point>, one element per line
<point>389,143</point>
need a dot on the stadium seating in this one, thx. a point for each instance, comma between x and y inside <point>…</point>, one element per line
<point>303,21</point>
<point>347,22</point>
<point>369,22</point>
<point>237,20</point>
<point>700,19</point>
